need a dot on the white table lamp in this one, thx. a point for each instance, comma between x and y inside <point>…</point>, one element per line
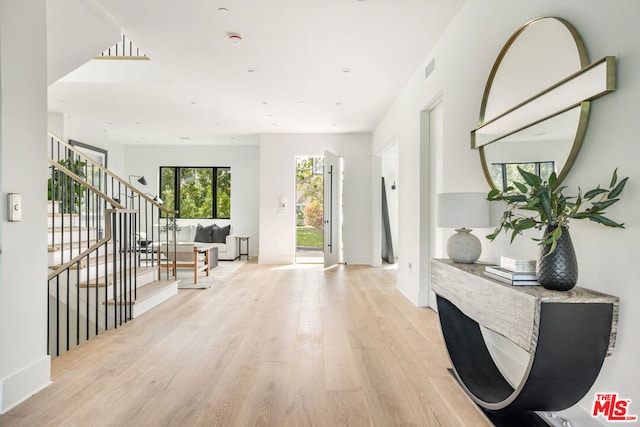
<point>463,211</point>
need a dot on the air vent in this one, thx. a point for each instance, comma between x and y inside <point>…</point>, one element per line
<point>429,68</point>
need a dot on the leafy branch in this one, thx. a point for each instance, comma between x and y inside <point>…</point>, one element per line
<point>65,190</point>
<point>537,203</point>
<point>170,225</point>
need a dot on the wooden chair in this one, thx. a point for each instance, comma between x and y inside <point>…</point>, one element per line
<point>186,255</point>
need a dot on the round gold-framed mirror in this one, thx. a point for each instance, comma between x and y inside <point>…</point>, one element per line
<point>529,115</point>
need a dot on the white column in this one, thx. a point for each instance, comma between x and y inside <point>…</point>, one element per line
<point>24,364</point>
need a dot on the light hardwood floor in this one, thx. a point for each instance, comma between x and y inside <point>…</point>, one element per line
<point>271,346</point>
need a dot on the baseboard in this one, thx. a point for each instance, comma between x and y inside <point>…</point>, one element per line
<point>21,385</point>
<point>413,298</point>
<point>362,260</point>
<point>277,260</point>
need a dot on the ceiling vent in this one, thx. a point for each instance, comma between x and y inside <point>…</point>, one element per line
<point>429,68</point>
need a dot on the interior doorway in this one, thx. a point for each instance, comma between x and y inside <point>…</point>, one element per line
<point>309,209</point>
<point>390,200</point>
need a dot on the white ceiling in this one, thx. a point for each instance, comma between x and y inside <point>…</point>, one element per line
<point>197,88</point>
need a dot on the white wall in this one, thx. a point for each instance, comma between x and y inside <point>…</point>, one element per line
<point>55,124</point>
<point>24,364</point>
<point>243,160</point>
<point>67,128</point>
<point>277,179</point>
<point>80,24</point>
<point>464,57</point>
<point>77,129</point>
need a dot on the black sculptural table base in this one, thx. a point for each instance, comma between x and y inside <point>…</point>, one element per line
<point>571,348</point>
<point>567,335</point>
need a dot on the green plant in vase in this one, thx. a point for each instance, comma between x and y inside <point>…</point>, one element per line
<point>536,203</point>
<point>63,189</point>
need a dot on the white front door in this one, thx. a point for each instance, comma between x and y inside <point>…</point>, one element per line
<point>332,209</point>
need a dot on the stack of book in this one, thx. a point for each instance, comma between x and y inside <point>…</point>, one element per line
<point>519,265</point>
<point>518,278</point>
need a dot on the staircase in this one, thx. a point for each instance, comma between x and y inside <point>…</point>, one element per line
<point>102,232</point>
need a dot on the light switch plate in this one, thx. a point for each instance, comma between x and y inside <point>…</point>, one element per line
<point>14,209</point>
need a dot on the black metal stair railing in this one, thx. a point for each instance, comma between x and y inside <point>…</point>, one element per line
<point>102,231</point>
<point>152,216</point>
<point>124,49</point>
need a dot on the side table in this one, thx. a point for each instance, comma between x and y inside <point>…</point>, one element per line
<point>211,254</point>
<point>243,238</point>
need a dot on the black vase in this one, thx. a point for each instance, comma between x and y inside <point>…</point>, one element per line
<point>558,270</point>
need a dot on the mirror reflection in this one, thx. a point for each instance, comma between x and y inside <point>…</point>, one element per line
<point>540,54</point>
<point>536,102</point>
<point>542,149</point>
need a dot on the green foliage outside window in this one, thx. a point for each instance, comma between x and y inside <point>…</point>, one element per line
<point>223,192</point>
<point>196,193</point>
<point>309,186</point>
<point>190,191</point>
<point>309,179</point>
<point>313,214</point>
<point>168,187</point>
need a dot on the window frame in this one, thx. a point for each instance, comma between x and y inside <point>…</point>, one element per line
<point>214,186</point>
<point>537,166</point>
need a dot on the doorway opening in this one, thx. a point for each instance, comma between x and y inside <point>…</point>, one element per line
<point>309,209</point>
<point>390,200</point>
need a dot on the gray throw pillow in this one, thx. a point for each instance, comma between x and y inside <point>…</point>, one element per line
<point>204,234</point>
<point>220,233</point>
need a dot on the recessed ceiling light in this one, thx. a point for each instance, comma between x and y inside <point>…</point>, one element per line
<point>301,103</point>
<point>346,70</point>
<point>137,123</point>
<point>223,10</point>
<point>251,69</point>
<point>193,102</point>
<point>338,103</point>
<point>265,103</point>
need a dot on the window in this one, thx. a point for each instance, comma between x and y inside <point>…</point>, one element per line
<point>197,192</point>
<point>507,173</point>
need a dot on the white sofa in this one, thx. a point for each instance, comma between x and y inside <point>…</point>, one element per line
<point>227,251</point>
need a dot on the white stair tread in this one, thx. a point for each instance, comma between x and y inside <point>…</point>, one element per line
<point>73,245</point>
<point>107,280</point>
<point>147,291</point>
<point>83,263</point>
